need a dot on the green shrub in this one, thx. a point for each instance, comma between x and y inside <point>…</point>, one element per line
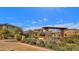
<point>66,44</point>
<point>42,43</point>
<point>68,47</point>
<point>32,42</point>
<point>18,37</point>
<point>27,40</point>
<point>49,43</point>
<point>65,47</point>
<point>38,42</point>
<point>71,40</point>
<point>68,40</point>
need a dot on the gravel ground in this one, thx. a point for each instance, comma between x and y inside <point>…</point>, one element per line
<point>12,45</point>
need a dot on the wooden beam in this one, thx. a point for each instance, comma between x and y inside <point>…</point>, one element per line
<point>62,33</point>
<point>46,34</point>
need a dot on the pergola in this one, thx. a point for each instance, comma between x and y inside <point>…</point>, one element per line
<point>59,28</point>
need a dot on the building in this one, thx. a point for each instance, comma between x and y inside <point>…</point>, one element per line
<point>52,32</point>
<point>8,31</point>
<point>71,32</point>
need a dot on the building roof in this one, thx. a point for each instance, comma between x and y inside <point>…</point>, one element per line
<point>13,26</point>
<point>54,28</point>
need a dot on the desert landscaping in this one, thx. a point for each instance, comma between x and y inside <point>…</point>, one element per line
<point>13,38</point>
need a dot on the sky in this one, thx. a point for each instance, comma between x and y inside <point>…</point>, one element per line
<point>36,17</point>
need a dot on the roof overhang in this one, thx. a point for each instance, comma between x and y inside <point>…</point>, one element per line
<point>54,28</point>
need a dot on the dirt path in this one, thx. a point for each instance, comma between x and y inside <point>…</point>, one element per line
<point>7,45</point>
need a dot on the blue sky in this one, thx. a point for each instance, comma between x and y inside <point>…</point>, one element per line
<point>35,17</point>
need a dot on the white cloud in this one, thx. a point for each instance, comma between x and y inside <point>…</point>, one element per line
<point>45,19</point>
<point>40,20</point>
<point>34,27</point>
<point>59,21</point>
<point>31,28</point>
<point>76,26</point>
<point>34,22</point>
<point>68,25</point>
